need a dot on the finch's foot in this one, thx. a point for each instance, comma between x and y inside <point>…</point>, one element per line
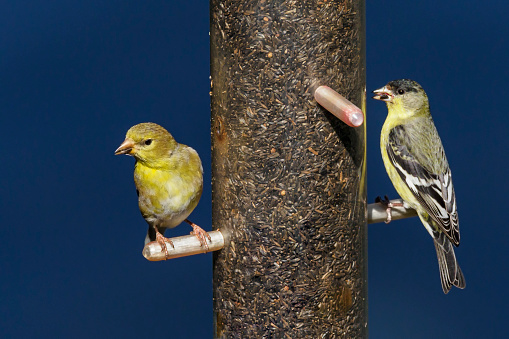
<point>200,233</point>
<point>388,206</point>
<point>162,241</point>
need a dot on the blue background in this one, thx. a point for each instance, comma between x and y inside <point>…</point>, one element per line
<point>75,75</point>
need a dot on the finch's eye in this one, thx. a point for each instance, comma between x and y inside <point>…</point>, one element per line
<point>148,142</point>
<point>401,91</point>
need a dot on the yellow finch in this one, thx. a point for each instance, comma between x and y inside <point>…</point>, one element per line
<point>168,178</point>
<point>415,160</point>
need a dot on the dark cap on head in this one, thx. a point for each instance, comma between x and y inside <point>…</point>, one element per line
<point>405,84</point>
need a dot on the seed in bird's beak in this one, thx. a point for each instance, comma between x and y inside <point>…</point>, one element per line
<point>383,94</point>
<point>125,148</point>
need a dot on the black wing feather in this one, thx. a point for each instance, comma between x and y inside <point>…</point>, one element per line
<point>434,191</point>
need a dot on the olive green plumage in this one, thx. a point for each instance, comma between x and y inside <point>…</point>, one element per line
<point>168,176</point>
<point>415,161</point>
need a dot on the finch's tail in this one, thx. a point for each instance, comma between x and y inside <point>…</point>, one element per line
<point>450,271</point>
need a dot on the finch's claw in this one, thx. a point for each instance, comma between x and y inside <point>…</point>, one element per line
<point>162,241</point>
<point>201,234</point>
<point>388,206</point>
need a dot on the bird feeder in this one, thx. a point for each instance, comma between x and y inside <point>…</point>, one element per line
<point>288,181</point>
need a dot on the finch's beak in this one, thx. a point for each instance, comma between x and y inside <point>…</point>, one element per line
<point>383,94</point>
<point>126,147</point>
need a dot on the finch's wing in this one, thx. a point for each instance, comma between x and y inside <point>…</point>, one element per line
<point>434,191</point>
